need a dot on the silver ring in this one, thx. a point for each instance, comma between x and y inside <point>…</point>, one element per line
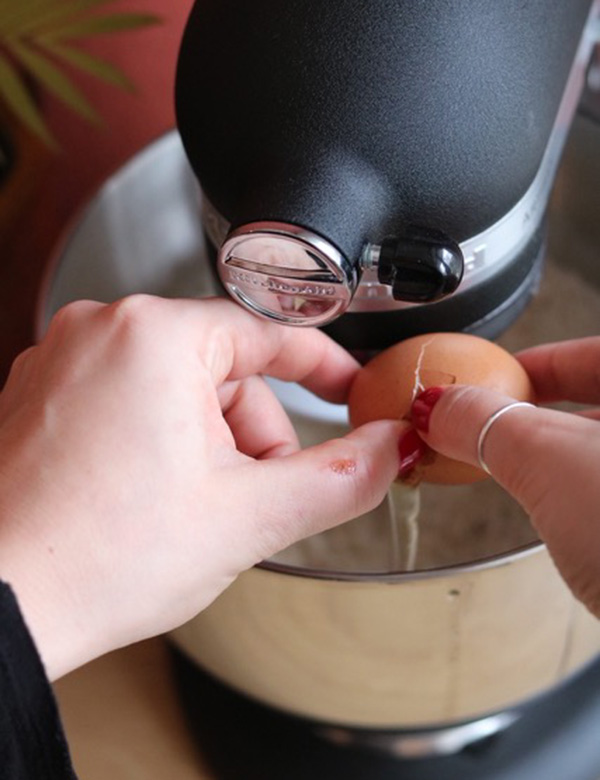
<point>488,424</point>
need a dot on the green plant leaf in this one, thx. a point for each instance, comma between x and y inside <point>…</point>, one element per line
<point>86,63</point>
<point>36,16</point>
<point>101,25</point>
<point>35,41</point>
<point>17,15</point>
<point>40,16</point>
<point>53,79</point>
<point>18,99</point>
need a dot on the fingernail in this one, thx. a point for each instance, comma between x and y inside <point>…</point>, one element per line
<point>411,449</point>
<point>422,407</point>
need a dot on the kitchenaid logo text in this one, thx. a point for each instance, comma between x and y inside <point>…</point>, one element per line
<point>277,286</point>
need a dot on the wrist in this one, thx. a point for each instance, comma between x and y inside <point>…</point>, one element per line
<point>48,607</point>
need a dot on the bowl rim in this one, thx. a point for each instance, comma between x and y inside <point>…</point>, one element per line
<point>396,577</point>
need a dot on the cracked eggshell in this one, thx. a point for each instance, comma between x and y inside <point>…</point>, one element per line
<point>386,386</point>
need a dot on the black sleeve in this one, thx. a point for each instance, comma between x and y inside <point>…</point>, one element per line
<point>32,742</point>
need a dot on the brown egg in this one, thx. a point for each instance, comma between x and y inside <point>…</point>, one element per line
<point>386,386</point>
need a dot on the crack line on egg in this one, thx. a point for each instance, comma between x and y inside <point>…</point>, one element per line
<point>418,385</point>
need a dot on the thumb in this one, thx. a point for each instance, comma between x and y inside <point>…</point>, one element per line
<point>451,419</point>
<point>545,458</point>
<point>525,449</point>
<point>316,488</point>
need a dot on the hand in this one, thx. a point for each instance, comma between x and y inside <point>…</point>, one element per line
<point>144,464</point>
<point>548,460</point>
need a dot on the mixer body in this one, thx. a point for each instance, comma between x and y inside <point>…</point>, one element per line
<point>383,170</point>
<point>325,135</point>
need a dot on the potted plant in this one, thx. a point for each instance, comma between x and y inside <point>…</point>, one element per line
<point>40,52</point>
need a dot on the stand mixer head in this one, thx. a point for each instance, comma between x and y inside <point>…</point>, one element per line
<point>381,173</point>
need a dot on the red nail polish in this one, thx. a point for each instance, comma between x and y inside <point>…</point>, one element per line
<point>422,407</point>
<point>411,449</point>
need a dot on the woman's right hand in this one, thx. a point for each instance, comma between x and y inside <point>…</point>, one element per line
<point>145,463</point>
<point>548,460</point>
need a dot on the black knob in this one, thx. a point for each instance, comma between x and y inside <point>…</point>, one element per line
<point>421,266</point>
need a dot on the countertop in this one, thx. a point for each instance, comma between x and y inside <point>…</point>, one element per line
<point>123,720</point>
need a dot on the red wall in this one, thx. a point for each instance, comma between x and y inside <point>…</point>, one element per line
<point>148,56</point>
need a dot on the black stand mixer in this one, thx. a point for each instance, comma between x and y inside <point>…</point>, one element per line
<point>382,170</point>
<point>521,632</point>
